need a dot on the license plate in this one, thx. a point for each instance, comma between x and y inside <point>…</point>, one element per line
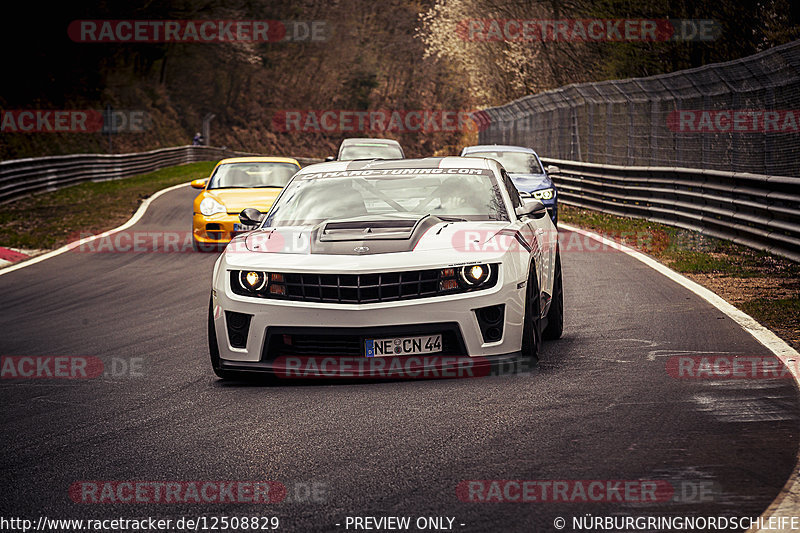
<point>241,227</point>
<point>403,346</point>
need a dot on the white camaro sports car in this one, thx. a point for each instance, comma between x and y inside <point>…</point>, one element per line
<point>419,262</point>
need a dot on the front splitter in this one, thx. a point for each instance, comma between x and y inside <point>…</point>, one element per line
<point>395,367</point>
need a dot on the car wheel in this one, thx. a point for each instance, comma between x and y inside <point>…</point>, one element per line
<point>531,335</point>
<point>555,316</point>
<point>213,347</point>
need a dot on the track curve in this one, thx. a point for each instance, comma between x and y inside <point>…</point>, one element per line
<point>601,405</point>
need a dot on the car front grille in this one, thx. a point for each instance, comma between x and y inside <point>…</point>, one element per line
<point>362,288</point>
<point>359,288</point>
<point>216,232</point>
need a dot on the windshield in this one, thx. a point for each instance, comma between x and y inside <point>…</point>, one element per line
<point>370,151</point>
<point>247,175</point>
<point>473,195</point>
<point>513,162</point>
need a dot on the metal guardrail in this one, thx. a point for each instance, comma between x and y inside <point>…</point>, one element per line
<point>755,210</point>
<point>737,116</point>
<point>22,177</point>
<point>762,212</point>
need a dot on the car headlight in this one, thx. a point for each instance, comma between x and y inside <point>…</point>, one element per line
<point>258,283</point>
<point>252,280</point>
<point>466,277</point>
<point>544,194</point>
<point>474,275</point>
<point>209,207</point>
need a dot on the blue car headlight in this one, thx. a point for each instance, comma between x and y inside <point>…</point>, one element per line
<point>544,194</point>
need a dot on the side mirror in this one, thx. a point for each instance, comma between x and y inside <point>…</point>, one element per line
<point>552,169</point>
<point>199,184</point>
<point>531,208</point>
<point>251,217</point>
<point>330,158</point>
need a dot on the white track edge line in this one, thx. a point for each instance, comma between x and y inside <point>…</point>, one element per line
<point>788,500</point>
<point>74,244</point>
<point>763,335</point>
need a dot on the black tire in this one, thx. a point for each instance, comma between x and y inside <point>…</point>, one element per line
<point>531,324</point>
<point>555,316</point>
<point>213,347</point>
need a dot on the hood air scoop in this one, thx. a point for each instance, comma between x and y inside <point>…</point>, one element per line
<point>366,236</point>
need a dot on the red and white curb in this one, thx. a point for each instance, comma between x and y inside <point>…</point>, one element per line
<point>10,256</point>
<point>74,244</point>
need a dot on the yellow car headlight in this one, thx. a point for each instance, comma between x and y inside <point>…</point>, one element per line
<point>209,207</point>
<point>544,194</point>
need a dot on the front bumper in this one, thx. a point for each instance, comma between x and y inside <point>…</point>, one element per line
<point>405,367</point>
<point>454,316</point>
<point>214,229</point>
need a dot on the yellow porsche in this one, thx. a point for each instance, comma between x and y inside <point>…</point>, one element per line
<point>235,184</point>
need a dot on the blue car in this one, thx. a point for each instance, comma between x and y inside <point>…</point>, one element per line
<point>525,170</point>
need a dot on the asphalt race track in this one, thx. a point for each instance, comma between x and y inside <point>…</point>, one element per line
<point>601,405</point>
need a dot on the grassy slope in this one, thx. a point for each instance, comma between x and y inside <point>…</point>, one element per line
<point>52,219</point>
